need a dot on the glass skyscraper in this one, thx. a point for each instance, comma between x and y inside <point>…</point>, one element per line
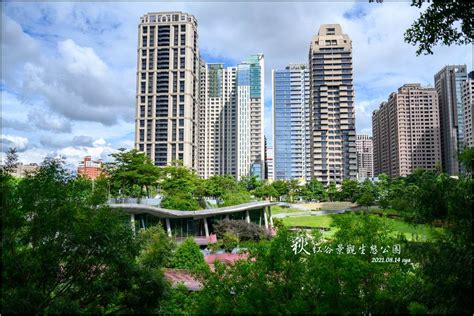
<point>291,123</point>
<point>448,83</point>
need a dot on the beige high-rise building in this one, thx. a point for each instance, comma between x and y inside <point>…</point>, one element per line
<point>332,110</point>
<point>217,121</point>
<point>167,88</point>
<point>365,157</point>
<point>468,109</point>
<point>406,131</point>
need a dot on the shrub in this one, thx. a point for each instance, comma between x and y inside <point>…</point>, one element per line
<point>230,241</point>
<point>242,229</point>
<point>189,257</point>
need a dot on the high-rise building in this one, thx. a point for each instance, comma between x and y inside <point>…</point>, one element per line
<point>291,123</point>
<point>448,83</point>
<point>167,88</point>
<point>217,121</point>
<point>365,157</point>
<point>332,110</point>
<point>269,166</point>
<point>406,132</point>
<point>250,107</point>
<point>468,109</point>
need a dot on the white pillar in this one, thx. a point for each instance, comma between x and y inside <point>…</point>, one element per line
<point>227,216</point>
<point>206,228</point>
<point>265,218</point>
<point>270,215</point>
<point>247,216</point>
<point>132,222</point>
<point>168,227</point>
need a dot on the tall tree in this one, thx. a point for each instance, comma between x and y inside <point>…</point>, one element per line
<point>62,253</point>
<point>132,169</point>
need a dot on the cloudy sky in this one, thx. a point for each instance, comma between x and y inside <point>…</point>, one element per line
<point>68,69</point>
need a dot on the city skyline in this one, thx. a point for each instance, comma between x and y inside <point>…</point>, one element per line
<point>43,114</point>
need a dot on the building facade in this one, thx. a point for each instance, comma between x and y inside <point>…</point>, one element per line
<point>217,122</point>
<point>406,132</point>
<point>167,88</point>
<point>21,170</point>
<point>468,109</point>
<point>365,157</point>
<point>90,168</point>
<point>448,83</point>
<point>269,166</point>
<point>250,123</point>
<point>332,110</point>
<point>291,123</point>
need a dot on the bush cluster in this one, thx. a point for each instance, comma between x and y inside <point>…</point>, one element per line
<point>243,230</point>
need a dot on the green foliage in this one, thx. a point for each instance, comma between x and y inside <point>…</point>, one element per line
<point>235,198</point>
<point>265,191</point>
<point>130,173</point>
<point>189,257</point>
<point>314,190</point>
<point>61,253</point>
<point>349,191</point>
<point>332,191</point>
<point>243,230</point>
<point>178,301</point>
<point>250,183</point>
<point>156,247</point>
<point>281,186</point>
<point>183,201</point>
<point>230,241</point>
<point>466,158</point>
<point>182,189</point>
<point>438,24</point>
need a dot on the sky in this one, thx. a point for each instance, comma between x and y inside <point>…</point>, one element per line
<point>69,68</point>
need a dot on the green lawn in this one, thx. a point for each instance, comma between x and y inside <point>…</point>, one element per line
<point>398,226</point>
<point>278,210</point>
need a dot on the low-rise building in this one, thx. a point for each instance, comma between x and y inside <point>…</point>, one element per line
<point>90,168</point>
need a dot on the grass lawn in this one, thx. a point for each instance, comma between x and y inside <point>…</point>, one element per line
<point>398,226</point>
<point>278,210</point>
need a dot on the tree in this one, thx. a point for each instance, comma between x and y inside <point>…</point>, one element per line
<point>466,158</point>
<point>62,253</point>
<point>350,190</point>
<point>281,187</point>
<point>314,190</point>
<point>132,169</point>
<point>250,183</point>
<point>265,191</point>
<point>293,189</point>
<point>438,23</point>
<point>230,241</point>
<point>332,191</point>
<point>366,199</point>
<point>188,256</point>
<point>11,160</point>
<point>182,189</point>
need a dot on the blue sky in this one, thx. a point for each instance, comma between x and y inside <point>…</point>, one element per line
<point>68,69</point>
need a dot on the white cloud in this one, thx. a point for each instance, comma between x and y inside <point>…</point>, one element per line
<point>13,141</point>
<point>81,60</point>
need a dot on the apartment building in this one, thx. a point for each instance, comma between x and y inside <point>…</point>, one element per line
<point>406,131</point>
<point>217,122</point>
<point>365,157</point>
<point>467,92</point>
<point>291,123</point>
<point>448,83</point>
<point>167,88</point>
<point>332,109</point>
<point>250,122</point>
